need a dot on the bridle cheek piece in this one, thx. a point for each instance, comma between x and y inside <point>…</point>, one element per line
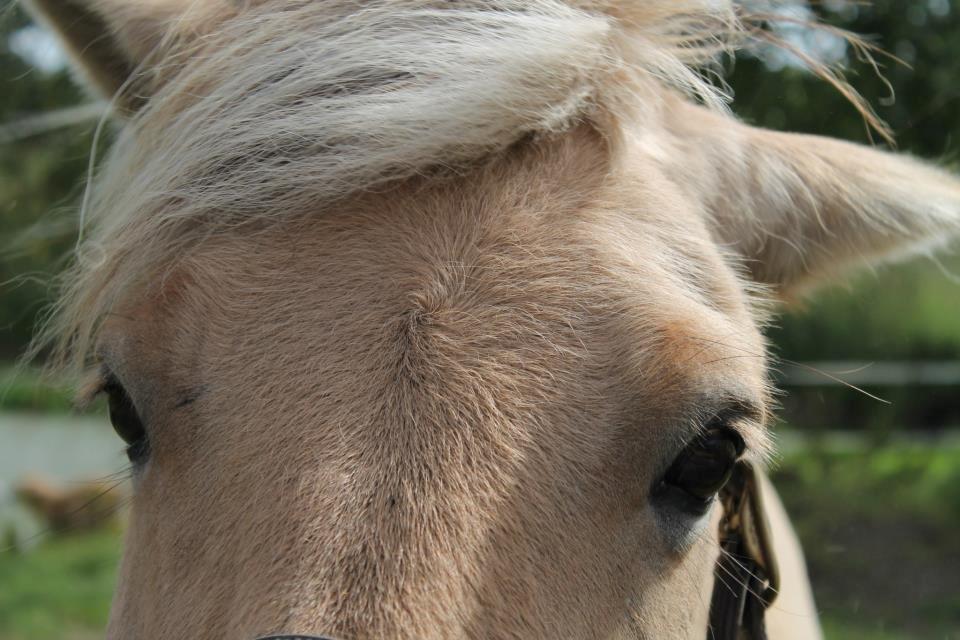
<point>746,578</point>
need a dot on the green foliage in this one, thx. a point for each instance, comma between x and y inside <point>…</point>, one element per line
<point>24,389</point>
<point>910,311</point>
<point>912,477</point>
<point>878,527</point>
<point>924,109</point>
<point>842,630</point>
<point>38,176</point>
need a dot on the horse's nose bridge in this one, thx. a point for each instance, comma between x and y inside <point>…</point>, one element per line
<point>295,637</point>
<point>356,560</point>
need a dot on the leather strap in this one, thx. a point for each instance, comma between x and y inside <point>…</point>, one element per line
<point>746,578</point>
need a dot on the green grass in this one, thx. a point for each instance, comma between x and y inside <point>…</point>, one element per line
<point>25,389</point>
<point>60,590</point>
<point>840,629</point>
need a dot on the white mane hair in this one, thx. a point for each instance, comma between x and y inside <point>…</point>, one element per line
<point>314,100</point>
<point>286,106</point>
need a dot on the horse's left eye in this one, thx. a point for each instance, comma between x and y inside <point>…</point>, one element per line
<point>701,469</point>
<point>126,421</point>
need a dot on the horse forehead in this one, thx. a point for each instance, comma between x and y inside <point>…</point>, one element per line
<point>446,256</point>
<point>533,294</point>
<point>556,261</point>
<point>399,325</point>
<point>492,277</point>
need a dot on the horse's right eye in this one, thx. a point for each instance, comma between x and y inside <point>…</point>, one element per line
<point>702,468</point>
<point>126,421</point>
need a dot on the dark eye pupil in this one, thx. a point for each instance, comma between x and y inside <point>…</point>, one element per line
<point>126,421</point>
<point>705,465</point>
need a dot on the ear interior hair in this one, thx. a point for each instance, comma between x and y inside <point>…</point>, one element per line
<point>803,209</point>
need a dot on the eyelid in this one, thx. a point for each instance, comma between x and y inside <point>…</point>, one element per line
<point>742,410</point>
<point>757,441</point>
<point>746,419</point>
<point>92,384</point>
<point>734,422</point>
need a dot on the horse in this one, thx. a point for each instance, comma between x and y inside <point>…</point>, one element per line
<point>86,506</point>
<point>442,318</point>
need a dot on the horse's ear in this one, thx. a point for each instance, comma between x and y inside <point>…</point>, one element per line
<point>114,43</point>
<point>802,209</point>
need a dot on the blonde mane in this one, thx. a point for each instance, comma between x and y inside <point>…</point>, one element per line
<point>277,108</point>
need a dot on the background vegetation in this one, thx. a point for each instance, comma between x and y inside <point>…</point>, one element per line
<point>878,513</point>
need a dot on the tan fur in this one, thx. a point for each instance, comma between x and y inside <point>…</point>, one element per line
<point>418,381</point>
<point>471,443</point>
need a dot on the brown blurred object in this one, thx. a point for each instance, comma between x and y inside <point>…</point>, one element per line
<point>79,506</point>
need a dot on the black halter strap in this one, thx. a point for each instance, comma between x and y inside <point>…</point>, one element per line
<point>746,578</point>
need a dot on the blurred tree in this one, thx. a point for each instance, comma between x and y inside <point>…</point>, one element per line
<point>923,109</point>
<point>38,174</point>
